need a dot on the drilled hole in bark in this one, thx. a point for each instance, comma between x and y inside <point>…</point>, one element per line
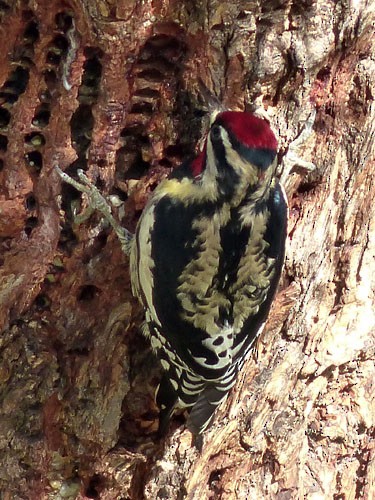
<point>53,58</point>
<point>4,7</point>
<point>35,139</point>
<point>135,133</point>
<point>164,162</point>
<point>42,116</point>
<point>31,33</point>
<point>34,160</point>
<point>31,223</point>
<point>67,240</point>
<point>95,486</point>
<point>50,79</point>
<point>142,108</point>
<point>324,74</point>
<point>17,81</point>
<point>92,72</point>
<point>8,97</point>
<point>45,97</point>
<point>175,150</point>
<point>4,117</point>
<point>306,187</point>
<point>63,21</point>
<point>87,293</point>
<point>42,301</point>
<point>151,74</point>
<point>214,480</point>
<point>81,124</point>
<point>60,44</point>
<point>147,92</point>
<point>30,202</point>
<point>136,170</point>
<point>3,142</point>
<point>158,61</point>
<point>162,41</point>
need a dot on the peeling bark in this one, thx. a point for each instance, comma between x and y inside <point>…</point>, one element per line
<point>114,88</point>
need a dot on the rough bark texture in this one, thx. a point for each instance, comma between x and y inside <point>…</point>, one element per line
<point>76,377</point>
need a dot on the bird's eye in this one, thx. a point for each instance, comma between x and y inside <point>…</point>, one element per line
<point>215,132</point>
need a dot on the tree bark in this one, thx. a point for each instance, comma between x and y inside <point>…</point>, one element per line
<point>115,87</point>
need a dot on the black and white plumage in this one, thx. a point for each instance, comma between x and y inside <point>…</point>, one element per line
<point>205,263</point>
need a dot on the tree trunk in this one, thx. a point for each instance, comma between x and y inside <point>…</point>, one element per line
<point>115,88</point>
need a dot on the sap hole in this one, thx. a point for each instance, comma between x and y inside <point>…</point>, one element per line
<point>87,293</point>
<point>95,486</point>
<point>81,124</point>
<point>63,21</point>
<point>93,52</point>
<point>34,160</point>
<point>8,98</point>
<point>1,164</point>
<point>5,117</point>
<point>31,33</point>
<point>142,108</point>
<point>81,162</point>
<point>50,79</point>
<point>214,480</point>
<point>242,15</point>
<point>151,74</point>
<point>42,116</point>
<point>45,97</point>
<point>306,187</point>
<point>199,113</point>
<point>132,131</point>
<point>4,6</point>
<point>164,162</point>
<point>121,195</point>
<point>31,223</point>
<point>100,184</point>
<point>27,15</point>
<point>60,43</point>
<point>147,92</point>
<point>175,150</point>
<point>3,142</point>
<point>35,139</point>
<point>42,301</point>
<point>70,196</point>
<point>324,74</point>
<point>67,240</point>
<point>25,60</point>
<point>102,163</point>
<point>158,63</point>
<point>100,241</point>
<point>163,41</point>
<point>136,170</point>
<point>92,72</point>
<point>53,58</point>
<point>18,80</point>
<point>30,202</point>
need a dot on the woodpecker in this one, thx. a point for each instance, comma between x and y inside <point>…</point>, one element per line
<point>205,262</point>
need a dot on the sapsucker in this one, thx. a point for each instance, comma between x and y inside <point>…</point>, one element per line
<point>206,260</point>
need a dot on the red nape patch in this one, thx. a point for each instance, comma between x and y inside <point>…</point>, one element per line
<point>198,163</point>
<point>252,131</point>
